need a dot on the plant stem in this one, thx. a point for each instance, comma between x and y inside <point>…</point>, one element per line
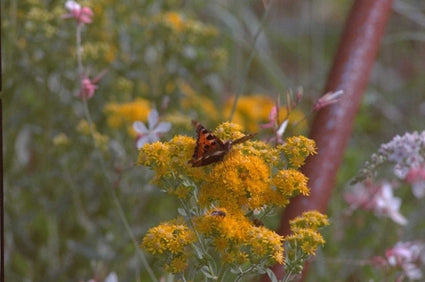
<point>241,84</point>
<point>99,155</point>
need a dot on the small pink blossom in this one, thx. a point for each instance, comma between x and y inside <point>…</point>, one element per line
<point>273,124</point>
<point>409,257</point>
<point>83,15</point>
<point>272,118</point>
<point>88,87</point>
<point>327,99</point>
<point>362,196</point>
<point>378,198</point>
<point>416,177</point>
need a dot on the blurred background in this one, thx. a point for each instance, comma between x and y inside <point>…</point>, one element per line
<point>187,59</point>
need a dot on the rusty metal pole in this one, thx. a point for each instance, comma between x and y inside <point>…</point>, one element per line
<point>332,125</point>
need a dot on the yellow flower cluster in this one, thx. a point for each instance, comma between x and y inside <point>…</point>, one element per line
<point>170,160</point>
<point>239,241</point>
<point>289,182</point>
<point>125,114</point>
<point>250,110</point>
<point>297,149</point>
<point>36,19</point>
<point>170,240</point>
<point>251,179</point>
<point>239,182</point>
<point>305,233</point>
<point>179,23</point>
<point>83,127</point>
<point>189,41</point>
<point>61,139</point>
<point>253,110</point>
<point>99,50</point>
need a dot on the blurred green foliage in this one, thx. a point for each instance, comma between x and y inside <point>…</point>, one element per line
<point>60,218</point>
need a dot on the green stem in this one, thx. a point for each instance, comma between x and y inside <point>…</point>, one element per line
<point>201,242</point>
<point>241,84</point>
<point>102,164</point>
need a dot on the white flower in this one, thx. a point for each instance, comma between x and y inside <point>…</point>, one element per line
<point>72,6</point>
<point>388,205</point>
<point>112,277</point>
<point>151,133</point>
<point>416,177</point>
<point>378,198</point>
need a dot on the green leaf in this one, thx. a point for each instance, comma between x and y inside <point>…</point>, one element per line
<point>198,251</point>
<point>271,275</point>
<point>206,271</point>
<point>182,212</point>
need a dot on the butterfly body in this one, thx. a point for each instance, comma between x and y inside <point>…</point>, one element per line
<point>209,148</point>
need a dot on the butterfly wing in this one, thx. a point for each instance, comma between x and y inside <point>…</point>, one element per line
<point>209,148</point>
<point>243,139</point>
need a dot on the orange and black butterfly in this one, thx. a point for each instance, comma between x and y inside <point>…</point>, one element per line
<point>209,148</point>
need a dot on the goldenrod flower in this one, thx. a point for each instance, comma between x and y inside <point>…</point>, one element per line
<point>177,264</point>
<point>61,139</point>
<point>266,245</point>
<point>239,181</point>
<point>305,234</point>
<point>156,156</point>
<point>84,127</point>
<point>175,20</point>
<point>297,149</point>
<point>251,111</point>
<point>101,141</point>
<point>182,192</point>
<point>308,240</point>
<point>289,183</point>
<point>169,240</point>
<point>125,114</point>
<point>310,219</point>
<point>238,241</point>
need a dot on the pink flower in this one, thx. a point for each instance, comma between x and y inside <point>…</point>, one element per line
<point>272,118</point>
<point>362,196</point>
<point>88,88</point>
<point>378,198</point>
<point>83,15</point>
<point>416,177</point>
<point>273,124</point>
<point>327,99</point>
<point>408,256</point>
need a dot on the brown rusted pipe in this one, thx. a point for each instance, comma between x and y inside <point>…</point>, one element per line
<point>332,125</point>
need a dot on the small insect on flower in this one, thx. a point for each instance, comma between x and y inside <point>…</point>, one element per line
<point>209,148</point>
<point>219,213</point>
<point>257,222</point>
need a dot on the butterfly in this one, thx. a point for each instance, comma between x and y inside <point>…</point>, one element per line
<point>209,148</point>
